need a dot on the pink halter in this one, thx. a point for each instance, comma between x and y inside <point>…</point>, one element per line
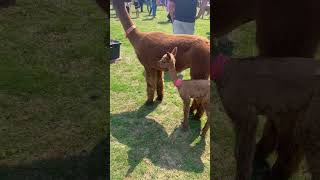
<point>218,66</point>
<point>178,83</point>
<point>128,31</point>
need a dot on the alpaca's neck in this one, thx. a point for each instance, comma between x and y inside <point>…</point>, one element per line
<point>125,20</point>
<point>173,74</point>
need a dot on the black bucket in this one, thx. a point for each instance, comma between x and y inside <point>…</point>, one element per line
<point>114,49</point>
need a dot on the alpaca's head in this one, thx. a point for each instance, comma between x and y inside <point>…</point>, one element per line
<point>168,60</point>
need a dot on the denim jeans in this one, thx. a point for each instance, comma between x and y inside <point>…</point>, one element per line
<point>154,7</point>
<point>141,5</point>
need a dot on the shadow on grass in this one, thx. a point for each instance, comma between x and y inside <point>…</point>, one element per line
<point>147,138</point>
<point>164,22</point>
<point>148,19</point>
<point>88,166</point>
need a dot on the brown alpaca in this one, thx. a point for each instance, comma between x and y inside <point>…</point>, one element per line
<point>286,28</point>
<point>287,92</point>
<point>197,89</point>
<point>194,53</point>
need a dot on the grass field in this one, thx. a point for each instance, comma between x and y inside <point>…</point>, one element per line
<point>222,133</point>
<point>53,79</point>
<point>147,142</point>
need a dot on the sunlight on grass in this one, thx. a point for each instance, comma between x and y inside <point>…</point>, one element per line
<point>53,79</point>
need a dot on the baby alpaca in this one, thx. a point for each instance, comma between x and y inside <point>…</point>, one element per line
<point>287,92</point>
<point>197,89</point>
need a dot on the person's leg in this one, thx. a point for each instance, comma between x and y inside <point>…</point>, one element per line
<point>152,6</point>
<point>177,28</point>
<point>149,6</point>
<point>154,11</point>
<point>141,5</point>
<point>188,28</point>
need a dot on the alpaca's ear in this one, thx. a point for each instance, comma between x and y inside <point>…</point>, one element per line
<point>174,51</point>
<point>168,55</point>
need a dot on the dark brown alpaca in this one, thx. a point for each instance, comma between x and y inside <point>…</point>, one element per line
<point>198,89</point>
<point>103,4</point>
<point>287,91</point>
<point>285,28</point>
<point>194,53</point>
<point>7,3</point>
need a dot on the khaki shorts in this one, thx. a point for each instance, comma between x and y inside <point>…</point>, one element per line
<point>180,27</point>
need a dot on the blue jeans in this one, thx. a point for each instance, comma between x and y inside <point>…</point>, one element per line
<point>141,5</point>
<point>154,7</point>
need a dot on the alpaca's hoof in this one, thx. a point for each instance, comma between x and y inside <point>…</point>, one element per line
<point>148,103</point>
<point>185,128</point>
<point>159,98</point>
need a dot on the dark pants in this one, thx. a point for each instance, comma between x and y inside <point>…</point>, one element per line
<point>154,7</point>
<point>141,5</point>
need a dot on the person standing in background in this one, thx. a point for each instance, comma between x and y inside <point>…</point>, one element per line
<point>168,6</point>
<point>184,14</point>
<point>202,10</point>
<point>141,5</point>
<point>153,8</point>
<point>148,3</point>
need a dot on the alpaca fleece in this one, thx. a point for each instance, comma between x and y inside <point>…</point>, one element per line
<point>287,92</point>
<point>198,89</point>
<point>285,28</point>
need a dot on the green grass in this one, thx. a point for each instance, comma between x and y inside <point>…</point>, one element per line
<point>147,142</point>
<point>223,135</point>
<point>53,79</point>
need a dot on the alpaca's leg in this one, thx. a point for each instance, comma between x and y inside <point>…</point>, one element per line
<point>207,125</point>
<point>289,150</point>
<point>245,125</point>
<point>199,71</point>
<point>267,143</point>
<point>151,85</point>
<point>194,106</point>
<point>186,106</point>
<point>289,157</point>
<point>199,110</point>
<point>160,90</point>
<point>310,135</point>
